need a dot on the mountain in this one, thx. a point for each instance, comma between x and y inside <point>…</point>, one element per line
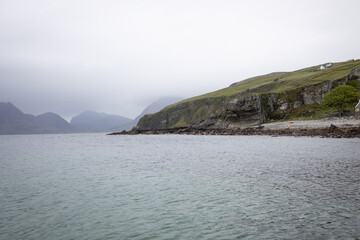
<point>157,106</point>
<point>14,121</point>
<point>278,95</point>
<point>8,112</point>
<point>54,123</point>
<point>152,108</point>
<point>90,121</point>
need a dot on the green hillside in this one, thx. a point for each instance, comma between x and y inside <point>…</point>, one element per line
<point>283,81</point>
<point>274,96</point>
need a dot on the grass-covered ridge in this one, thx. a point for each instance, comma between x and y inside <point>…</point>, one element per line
<point>282,81</point>
<point>275,96</point>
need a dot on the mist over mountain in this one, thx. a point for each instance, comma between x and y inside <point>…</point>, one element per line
<point>157,106</point>
<point>253,101</point>
<point>54,122</point>
<point>152,108</point>
<point>91,121</point>
<point>14,121</point>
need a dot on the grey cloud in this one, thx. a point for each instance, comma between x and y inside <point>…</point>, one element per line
<point>118,56</point>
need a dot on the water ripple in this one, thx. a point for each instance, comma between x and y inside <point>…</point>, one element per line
<point>91,186</point>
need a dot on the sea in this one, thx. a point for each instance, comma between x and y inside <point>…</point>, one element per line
<point>142,187</point>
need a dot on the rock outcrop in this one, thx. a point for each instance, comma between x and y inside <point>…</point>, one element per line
<point>244,112</point>
<point>328,131</point>
<point>240,111</point>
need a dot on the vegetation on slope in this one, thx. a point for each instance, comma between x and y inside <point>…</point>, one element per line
<point>306,112</point>
<point>282,81</point>
<point>340,97</point>
<point>281,96</point>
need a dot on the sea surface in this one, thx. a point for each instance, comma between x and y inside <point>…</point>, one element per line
<point>93,186</point>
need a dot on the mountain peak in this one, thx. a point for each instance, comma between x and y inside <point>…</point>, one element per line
<point>54,122</point>
<point>14,121</point>
<point>7,109</point>
<point>91,121</point>
<point>158,105</point>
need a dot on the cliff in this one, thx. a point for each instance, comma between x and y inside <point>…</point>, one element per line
<point>150,109</point>
<point>253,101</point>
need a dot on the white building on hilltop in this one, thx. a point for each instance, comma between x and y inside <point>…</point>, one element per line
<point>325,66</point>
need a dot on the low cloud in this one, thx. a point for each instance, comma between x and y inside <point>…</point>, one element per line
<point>119,56</point>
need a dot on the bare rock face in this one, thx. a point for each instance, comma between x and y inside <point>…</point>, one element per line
<point>355,74</point>
<point>170,117</point>
<point>238,112</point>
<point>244,112</point>
<point>284,106</point>
<point>152,121</point>
<point>315,93</point>
<point>271,101</point>
<point>298,104</point>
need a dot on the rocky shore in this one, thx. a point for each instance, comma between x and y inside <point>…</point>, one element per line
<point>330,127</point>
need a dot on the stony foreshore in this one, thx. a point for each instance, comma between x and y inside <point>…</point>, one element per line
<point>332,128</point>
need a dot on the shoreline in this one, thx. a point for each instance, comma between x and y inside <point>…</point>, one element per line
<point>329,128</point>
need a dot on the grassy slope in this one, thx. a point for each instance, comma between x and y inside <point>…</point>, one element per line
<point>201,107</point>
<point>282,81</point>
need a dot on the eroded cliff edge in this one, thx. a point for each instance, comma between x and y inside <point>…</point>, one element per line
<point>242,110</point>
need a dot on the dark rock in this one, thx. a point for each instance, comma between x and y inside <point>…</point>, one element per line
<point>245,109</point>
<point>332,128</point>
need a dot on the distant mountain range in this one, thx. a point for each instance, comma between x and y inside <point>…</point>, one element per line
<point>14,121</point>
<point>90,121</point>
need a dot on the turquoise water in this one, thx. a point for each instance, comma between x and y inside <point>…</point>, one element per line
<point>92,186</point>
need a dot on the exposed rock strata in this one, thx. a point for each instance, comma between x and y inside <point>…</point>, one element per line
<point>240,111</point>
<point>332,128</point>
<point>331,132</point>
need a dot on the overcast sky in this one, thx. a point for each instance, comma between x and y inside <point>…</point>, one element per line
<point>118,56</point>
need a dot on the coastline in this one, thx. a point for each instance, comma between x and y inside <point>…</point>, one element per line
<point>346,127</point>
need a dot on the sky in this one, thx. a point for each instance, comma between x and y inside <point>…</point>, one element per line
<point>118,56</point>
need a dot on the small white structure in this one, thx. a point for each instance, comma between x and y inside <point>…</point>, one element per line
<point>357,107</point>
<point>325,66</point>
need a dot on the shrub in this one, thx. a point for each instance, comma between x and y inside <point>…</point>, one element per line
<point>340,97</point>
<point>354,83</point>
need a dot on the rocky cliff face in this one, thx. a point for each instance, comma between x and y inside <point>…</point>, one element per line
<point>239,111</point>
<point>244,112</point>
<point>208,114</point>
<point>184,114</point>
<point>315,93</point>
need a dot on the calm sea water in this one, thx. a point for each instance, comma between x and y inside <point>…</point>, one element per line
<point>92,186</point>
